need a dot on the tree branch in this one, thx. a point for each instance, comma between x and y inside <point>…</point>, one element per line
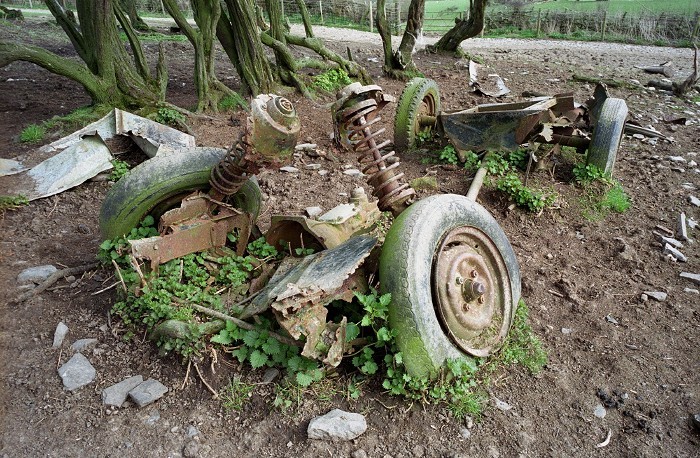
<point>139,57</point>
<point>73,31</point>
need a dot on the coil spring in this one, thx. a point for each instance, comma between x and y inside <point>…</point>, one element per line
<point>228,176</point>
<point>393,195</point>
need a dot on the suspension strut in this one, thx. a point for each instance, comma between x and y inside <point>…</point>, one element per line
<point>356,112</point>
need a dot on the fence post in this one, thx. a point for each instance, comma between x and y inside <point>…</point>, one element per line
<point>539,22</point>
<point>320,8</point>
<point>371,22</point>
<point>605,22</point>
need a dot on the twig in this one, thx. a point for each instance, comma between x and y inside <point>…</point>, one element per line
<point>244,325</point>
<point>606,441</point>
<point>201,377</point>
<point>556,293</point>
<point>187,374</point>
<point>119,274</point>
<point>54,278</point>
<point>137,268</point>
<point>386,406</point>
<point>58,362</point>
<point>104,289</point>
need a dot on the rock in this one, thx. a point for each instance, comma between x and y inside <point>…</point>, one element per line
<point>695,278</point>
<point>313,211</point>
<point>656,295</point>
<point>323,173</point>
<point>353,173</point>
<point>116,394</point>
<point>305,147</point>
<point>695,421</point>
<point>644,297</point>
<point>502,405</point>
<point>610,319</point>
<point>694,200</point>
<point>671,241</point>
<point>152,418</point>
<point>677,159</point>
<point>691,290</point>
<point>59,334</point>
<point>692,163</point>
<point>359,454</point>
<point>638,136</point>
<point>147,392</point>
<point>337,425</point>
<point>83,344</point>
<point>77,372</point>
<point>600,411</point>
<point>682,231</point>
<point>289,169</point>
<point>312,166</point>
<point>677,255</point>
<point>192,431</point>
<point>425,183</point>
<point>191,449</point>
<point>36,274</point>
<point>465,433</point>
<point>270,375</point>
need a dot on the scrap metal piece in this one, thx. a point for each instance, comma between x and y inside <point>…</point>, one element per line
<point>149,135</point>
<point>352,94</point>
<point>299,293</point>
<point>191,228</point>
<point>273,127</point>
<point>10,167</point>
<point>67,169</point>
<point>331,229</point>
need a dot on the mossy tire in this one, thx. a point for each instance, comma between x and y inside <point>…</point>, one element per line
<point>420,97</point>
<point>162,179</point>
<point>607,134</point>
<point>408,267</point>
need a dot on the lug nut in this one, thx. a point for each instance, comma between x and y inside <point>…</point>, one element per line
<point>474,273</point>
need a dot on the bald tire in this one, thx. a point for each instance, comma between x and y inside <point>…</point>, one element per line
<point>405,271</point>
<point>405,129</point>
<point>165,177</point>
<point>607,134</point>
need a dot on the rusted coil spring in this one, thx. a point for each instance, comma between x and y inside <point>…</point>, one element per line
<point>392,194</point>
<point>228,176</point>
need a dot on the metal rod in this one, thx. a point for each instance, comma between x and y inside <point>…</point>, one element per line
<point>478,181</point>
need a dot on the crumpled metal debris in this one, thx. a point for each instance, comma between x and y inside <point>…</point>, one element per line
<point>493,80</point>
<point>299,291</point>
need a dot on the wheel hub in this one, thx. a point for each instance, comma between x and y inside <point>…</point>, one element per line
<point>472,292</point>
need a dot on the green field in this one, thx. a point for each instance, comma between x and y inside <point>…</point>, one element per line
<point>612,6</point>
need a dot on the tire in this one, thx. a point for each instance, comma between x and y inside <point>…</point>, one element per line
<point>420,97</point>
<point>159,182</point>
<point>413,253</point>
<point>607,134</point>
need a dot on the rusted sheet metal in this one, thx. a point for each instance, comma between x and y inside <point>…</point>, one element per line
<point>150,135</point>
<point>192,228</point>
<point>273,127</point>
<point>330,229</point>
<point>299,293</point>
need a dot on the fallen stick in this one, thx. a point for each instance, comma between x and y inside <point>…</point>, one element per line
<point>608,81</point>
<point>54,278</point>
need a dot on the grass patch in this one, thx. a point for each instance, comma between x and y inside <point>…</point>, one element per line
<point>602,193</point>
<point>33,133</point>
<point>231,102</point>
<point>12,203</point>
<point>77,119</point>
<point>331,80</point>
<point>234,395</point>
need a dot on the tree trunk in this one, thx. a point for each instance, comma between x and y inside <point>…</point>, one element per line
<point>400,64</point>
<point>238,33</point>
<point>136,21</point>
<point>463,29</point>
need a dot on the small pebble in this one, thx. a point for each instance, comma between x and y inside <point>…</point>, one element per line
<point>289,169</point>
<point>610,319</point>
<point>677,255</point>
<point>691,290</point>
<point>600,411</point>
<point>676,159</point>
<point>312,166</point>
<point>502,405</point>
<point>59,334</point>
<point>566,330</point>
<point>465,433</point>
<point>656,295</point>
<point>694,200</point>
<point>353,173</point>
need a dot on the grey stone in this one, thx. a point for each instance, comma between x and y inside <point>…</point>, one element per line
<point>644,297</point>
<point>270,375</point>
<point>289,169</point>
<point>116,394</point>
<point>337,425</point>
<point>359,454</point>
<point>305,147</point>
<point>191,449</point>
<point>313,211</point>
<point>566,330</point>
<point>691,290</point>
<point>465,433</point>
<point>77,372</point>
<point>677,159</point>
<point>83,344</point>
<point>36,274</point>
<point>353,173</point>
<point>682,230</point>
<point>312,166</point>
<point>323,173</point>
<point>502,405</point>
<point>59,334</point>
<point>656,295</point>
<point>694,200</point>
<point>611,319</point>
<point>147,392</point>
<point>153,418</point>
<point>692,163</point>
<point>695,278</point>
<point>192,431</point>
<point>671,241</point>
<point>600,411</point>
<point>677,255</point>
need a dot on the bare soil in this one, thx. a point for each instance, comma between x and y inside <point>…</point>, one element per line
<point>582,280</point>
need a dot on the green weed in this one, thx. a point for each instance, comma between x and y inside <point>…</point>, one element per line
<point>33,133</point>
<point>448,155</point>
<point>231,102</point>
<point>234,395</point>
<point>77,119</point>
<point>521,347</point>
<point>121,168</point>
<point>603,194</point>
<point>504,178</point>
<point>170,117</point>
<point>331,80</point>
<point>12,203</point>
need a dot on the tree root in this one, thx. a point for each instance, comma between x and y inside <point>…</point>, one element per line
<point>54,278</point>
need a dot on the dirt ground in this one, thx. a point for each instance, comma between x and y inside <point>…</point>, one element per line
<point>582,280</point>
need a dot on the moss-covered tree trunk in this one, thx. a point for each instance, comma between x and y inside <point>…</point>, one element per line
<point>109,74</point>
<point>399,63</point>
<point>130,8</point>
<point>463,29</point>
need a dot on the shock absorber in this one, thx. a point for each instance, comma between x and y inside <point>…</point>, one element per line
<point>231,172</point>
<point>358,113</point>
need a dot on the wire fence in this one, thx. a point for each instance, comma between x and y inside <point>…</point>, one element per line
<point>658,28</point>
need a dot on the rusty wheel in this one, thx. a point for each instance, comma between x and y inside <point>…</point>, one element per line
<point>416,113</point>
<point>454,281</point>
